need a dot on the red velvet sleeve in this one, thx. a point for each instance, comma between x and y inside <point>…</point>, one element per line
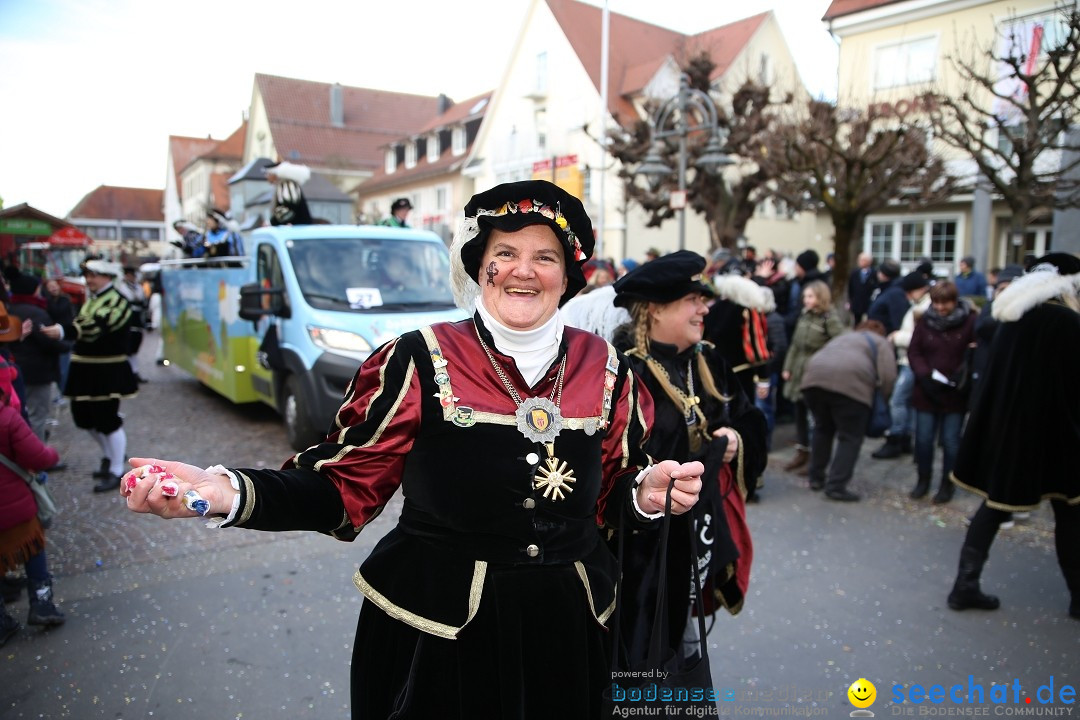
<point>375,427</point>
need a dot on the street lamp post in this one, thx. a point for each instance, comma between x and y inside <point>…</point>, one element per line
<point>674,119</point>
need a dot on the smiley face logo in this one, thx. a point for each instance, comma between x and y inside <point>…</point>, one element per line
<point>862,693</point>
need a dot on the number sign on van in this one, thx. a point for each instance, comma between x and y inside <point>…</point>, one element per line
<point>364,298</point>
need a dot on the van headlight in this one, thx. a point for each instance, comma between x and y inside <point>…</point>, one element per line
<point>341,341</point>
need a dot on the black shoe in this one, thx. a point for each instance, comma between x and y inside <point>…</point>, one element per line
<point>42,609</point>
<point>888,451</point>
<point>108,484</point>
<point>944,493</point>
<point>905,444</point>
<point>816,485</point>
<point>141,379</point>
<point>103,472</point>
<point>8,627</point>
<point>921,488</point>
<point>842,496</point>
<point>968,596</point>
<point>12,587</point>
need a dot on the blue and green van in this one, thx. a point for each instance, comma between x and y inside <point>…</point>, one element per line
<point>289,323</point>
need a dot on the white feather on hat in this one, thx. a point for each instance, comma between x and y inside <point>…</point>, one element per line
<point>743,291</point>
<point>299,174</point>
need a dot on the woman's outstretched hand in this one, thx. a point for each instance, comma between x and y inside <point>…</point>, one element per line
<point>653,488</point>
<point>159,487</point>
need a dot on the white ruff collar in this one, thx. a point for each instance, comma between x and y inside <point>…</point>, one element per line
<point>533,350</point>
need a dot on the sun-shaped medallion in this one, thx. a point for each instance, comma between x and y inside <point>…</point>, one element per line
<point>555,479</point>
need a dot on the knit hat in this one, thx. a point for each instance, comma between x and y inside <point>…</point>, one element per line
<point>1008,274</point>
<point>808,260</point>
<point>914,281</point>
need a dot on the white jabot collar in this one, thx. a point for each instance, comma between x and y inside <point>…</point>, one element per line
<point>533,350</point>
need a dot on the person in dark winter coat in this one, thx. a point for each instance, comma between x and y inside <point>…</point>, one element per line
<point>969,282</point>
<point>38,354</point>
<point>939,346</point>
<point>1022,441</point>
<point>22,539</point>
<point>806,272</point>
<point>838,385</point>
<point>894,301</point>
<point>861,285</point>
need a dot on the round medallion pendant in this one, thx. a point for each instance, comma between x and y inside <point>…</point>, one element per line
<point>539,420</point>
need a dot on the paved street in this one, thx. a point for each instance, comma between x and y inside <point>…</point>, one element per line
<point>171,620</point>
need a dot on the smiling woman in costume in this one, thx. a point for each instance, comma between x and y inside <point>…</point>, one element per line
<point>701,413</point>
<point>513,437</point>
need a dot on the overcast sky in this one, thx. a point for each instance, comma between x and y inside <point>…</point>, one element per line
<point>92,89</point>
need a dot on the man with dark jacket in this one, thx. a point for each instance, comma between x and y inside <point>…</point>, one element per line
<point>890,306</point>
<point>38,354</point>
<point>861,285</point>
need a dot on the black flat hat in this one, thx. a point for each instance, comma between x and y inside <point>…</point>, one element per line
<point>512,206</point>
<point>663,280</point>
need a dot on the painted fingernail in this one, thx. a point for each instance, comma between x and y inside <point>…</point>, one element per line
<point>131,482</point>
<point>170,489</point>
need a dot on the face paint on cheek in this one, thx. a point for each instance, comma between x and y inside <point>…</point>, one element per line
<point>492,271</point>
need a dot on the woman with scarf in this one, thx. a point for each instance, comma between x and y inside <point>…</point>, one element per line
<point>513,438</point>
<point>701,413</point>
<point>939,345</point>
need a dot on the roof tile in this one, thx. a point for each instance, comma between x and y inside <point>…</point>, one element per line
<point>108,202</point>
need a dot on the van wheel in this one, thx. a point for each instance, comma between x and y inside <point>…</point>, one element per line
<point>294,409</point>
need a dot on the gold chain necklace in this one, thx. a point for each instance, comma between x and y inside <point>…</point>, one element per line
<point>540,420</point>
<point>696,423</point>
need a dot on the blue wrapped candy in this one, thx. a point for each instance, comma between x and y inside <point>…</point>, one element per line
<point>195,502</point>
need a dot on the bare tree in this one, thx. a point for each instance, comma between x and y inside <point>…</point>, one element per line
<point>1020,141</point>
<point>726,206</point>
<point>852,163</point>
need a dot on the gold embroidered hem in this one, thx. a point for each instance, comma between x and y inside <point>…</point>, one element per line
<point>421,623</point>
<point>1013,508</point>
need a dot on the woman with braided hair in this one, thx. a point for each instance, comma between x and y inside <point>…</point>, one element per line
<point>701,413</point>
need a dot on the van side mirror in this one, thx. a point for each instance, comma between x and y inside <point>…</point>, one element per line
<point>256,302</point>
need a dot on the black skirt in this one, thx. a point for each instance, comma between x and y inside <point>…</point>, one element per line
<point>533,652</point>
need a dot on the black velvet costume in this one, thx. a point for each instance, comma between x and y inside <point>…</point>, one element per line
<point>488,599</point>
<point>669,439</point>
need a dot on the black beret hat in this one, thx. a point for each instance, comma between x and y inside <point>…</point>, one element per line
<point>512,206</point>
<point>663,280</point>
<point>400,203</point>
<point>914,281</point>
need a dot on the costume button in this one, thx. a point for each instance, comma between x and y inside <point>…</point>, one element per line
<point>529,503</point>
<point>532,458</point>
<point>532,551</point>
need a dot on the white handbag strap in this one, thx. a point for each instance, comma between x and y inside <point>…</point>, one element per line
<point>24,474</point>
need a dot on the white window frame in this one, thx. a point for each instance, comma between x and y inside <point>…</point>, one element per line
<point>433,147</point>
<point>410,154</point>
<point>457,140</point>
<point>941,267</point>
<point>391,161</point>
<point>896,57</point>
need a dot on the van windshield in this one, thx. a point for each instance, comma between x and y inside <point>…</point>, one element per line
<point>366,274</point>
